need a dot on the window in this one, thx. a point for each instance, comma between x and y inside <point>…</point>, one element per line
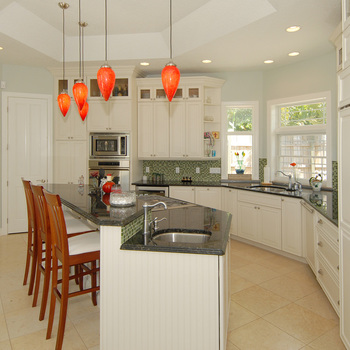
<point>299,133</point>
<point>240,130</point>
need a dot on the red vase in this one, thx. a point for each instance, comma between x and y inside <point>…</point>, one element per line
<point>107,187</point>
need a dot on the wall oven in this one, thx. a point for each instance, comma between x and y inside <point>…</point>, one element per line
<point>109,145</point>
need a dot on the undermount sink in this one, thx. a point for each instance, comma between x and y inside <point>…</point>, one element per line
<point>172,236</point>
<point>276,189</point>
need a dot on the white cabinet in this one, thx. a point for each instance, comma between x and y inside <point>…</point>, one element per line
<point>190,91</point>
<point>291,226</point>
<point>110,116</point>
<point>153,130</point>
<point>184,193</point>
<point>208,197</point>
<point>70,159</point>
<point>186,130</point>
<point>308,233</point>
<point>259,218</point>
<point>229,204</point>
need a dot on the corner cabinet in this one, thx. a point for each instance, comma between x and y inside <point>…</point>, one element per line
<point>195,98</point>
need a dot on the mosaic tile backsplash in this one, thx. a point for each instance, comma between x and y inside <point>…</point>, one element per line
<point>187,169</point>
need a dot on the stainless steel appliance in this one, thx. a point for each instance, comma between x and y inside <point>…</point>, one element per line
<point>118,168</point>
<point>109,145</point>
<point>153,190</point>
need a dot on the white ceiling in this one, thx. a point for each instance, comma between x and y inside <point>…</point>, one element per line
<point>234,34</point>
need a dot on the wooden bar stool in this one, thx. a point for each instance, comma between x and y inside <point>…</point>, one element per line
<point>78,250</point>
<point>32,237</point>
<point>74,227</point>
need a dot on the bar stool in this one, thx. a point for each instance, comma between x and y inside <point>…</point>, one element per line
<point>74,227</point>
<point>32,238</point>
<point>77,250</point>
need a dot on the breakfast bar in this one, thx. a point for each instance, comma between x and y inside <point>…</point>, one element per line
<point>159,295</point>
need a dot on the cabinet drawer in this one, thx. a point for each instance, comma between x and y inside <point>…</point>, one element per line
<point>329,229</point>
<point>328,252</point>
<point>260,199</point>
<point>328,283</point>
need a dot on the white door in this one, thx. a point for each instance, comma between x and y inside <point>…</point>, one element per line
<point>27,155</point>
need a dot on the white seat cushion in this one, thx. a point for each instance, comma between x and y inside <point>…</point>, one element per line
<point>87,242</point>
<point>75,225</point>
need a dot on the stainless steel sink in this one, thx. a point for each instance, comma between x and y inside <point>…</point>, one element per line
<point>274,189</point>
<point>171,236</point>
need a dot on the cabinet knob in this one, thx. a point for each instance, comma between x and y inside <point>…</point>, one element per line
<point>320,272</point>
<point>320,222</point>
<point>207,189</point>
<point>320,244</point>
<point>338,267</point>
<point>338,240</point>
<point>338,302</point>
<point>282,200</point>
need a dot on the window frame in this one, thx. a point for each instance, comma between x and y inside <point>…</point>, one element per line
<point>274,130</point>
<point>255,135</point>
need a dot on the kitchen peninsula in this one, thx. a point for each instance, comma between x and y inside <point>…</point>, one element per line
<point>164,296</point>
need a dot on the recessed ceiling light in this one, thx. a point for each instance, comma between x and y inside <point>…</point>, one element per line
<point>206,61</point>
<point>144,64</point>
<point>268,61</point>
<point>295,53</point>
<point>1,48</point>
<point>293,29</point>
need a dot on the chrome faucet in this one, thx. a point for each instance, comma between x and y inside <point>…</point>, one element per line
<point>290,184</point>
<point>146,223</point>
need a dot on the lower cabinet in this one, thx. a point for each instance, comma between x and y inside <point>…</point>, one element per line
<point>229,204</point>
<point>184,193</point>
<point>70,161</point>
<point>308,233</point>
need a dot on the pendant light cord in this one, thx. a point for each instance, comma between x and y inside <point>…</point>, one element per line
<point>106,31</point>
<point>80,40</point>
<point>64,46</point>
<point>171,32</point>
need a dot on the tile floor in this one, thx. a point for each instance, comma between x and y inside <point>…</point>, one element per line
<point>276,303</point>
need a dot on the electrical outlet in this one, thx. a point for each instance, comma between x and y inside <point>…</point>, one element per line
<point>198,170</point>
<point>177,170</point>
<point>147,169</point>
<point>215,170</point>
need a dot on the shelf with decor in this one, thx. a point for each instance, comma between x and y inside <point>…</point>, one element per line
<point>121,88</point>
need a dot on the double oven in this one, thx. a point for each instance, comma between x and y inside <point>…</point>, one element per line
<point>109,154</point>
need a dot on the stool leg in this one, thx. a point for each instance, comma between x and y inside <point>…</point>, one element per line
<point>53,297</point>
<point>47,274</point>
<point>38,273</point>
<point>34,262</point>
<point>29,247</point>
<point>94,282</point>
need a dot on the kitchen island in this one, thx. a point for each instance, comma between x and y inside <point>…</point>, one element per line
<point>164,296</point>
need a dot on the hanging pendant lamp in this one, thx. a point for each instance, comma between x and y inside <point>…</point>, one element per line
<point>80,90</point>
<point>63,98</point>
<point>170,73</point>
<point>106,75</point>
<point>84,111</point>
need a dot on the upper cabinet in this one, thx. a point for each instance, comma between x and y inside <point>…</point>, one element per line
<point>120,91</point>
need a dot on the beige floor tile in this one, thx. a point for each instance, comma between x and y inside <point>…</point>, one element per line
<point>239,316</point>
<point>1,308</point>
<point>239,283</point>
<point>5,345</point>
<point>3,329</point>
<point>261,335</point>
<point>330,340</point>
<point>254,254</point>
<point>256,273</point>
<point>37,341</point>
<point>237,245</point>
<point>88,328</point>
<point>17,300</point>
<point>318,303</point>
<point>237,261</point>
<point>305,275</point>
<point>97,347</point>
<point>229,346</point>
<point>80,306</point>
<point>280,264</point>
<point>259,300</point>
<point>300,322</point>
<point>289,288</point>
<point>306,348</point>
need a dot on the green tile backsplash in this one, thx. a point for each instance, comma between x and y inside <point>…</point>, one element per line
<point>187,168</point>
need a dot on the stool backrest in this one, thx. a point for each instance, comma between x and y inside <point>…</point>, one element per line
<point>57,224</point>
<point>42,215</point>
<point>30,205</point>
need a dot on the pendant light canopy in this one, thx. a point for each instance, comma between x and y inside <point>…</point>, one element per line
<point>63,98</point>
<point>106,75</point>
<point>80,90</point>
<point>170,73</point>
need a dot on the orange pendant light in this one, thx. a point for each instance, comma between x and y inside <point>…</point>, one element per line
<point>106,75</point>
<point>170,73</point>
<point>84,111</point>
<point>63,101</point>
<point>170,79</point>
<point>106,81</point>
<point>63,98</point>
<point>80,92</point>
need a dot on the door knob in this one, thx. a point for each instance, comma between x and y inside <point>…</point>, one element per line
<point>41,180</point>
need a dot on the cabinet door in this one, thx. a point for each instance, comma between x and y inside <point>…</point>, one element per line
<point>78,160</point>
<point>194,130</point>
<point>229,204</point>
<point>145,130</point>
<point>269,223</point>
<point>248,221</point>
<point>161,129</point>
<point>307,227</point>
<point>182,192</point>
<point>208,197</point>
<point>178,129</point>
<point>120,116</point>
<point>98,116</point>
<point>291,226</point>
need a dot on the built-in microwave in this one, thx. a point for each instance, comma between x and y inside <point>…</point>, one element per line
<point>107,145</point>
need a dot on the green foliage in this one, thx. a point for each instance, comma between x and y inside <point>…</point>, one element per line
<point>239,119</point>
<point>312,114</point>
